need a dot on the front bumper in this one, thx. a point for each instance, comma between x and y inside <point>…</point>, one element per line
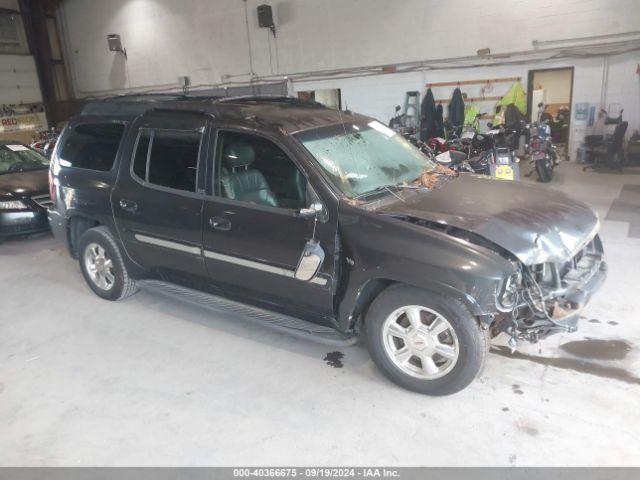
<point>578,299</point>
<point>556,294</point>
<point>15,223</point>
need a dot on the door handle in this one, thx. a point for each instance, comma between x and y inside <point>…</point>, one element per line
<point>220,223</point>
<point>128,205</point>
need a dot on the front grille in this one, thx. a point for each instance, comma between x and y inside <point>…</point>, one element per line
<point>43,200</point>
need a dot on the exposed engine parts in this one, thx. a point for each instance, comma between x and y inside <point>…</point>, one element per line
<point>547,298</point>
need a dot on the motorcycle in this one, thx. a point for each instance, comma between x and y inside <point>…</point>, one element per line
<point>403,125</point>
<point>452,159</point>
<point>452,141</point>
<point>490,153</point>
<point>46,142</point>
<point>438,144</point>
<point>541,151</point>
<point>508,140</point>
<point>476,146</point>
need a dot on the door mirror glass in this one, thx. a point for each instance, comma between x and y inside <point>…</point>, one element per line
<point>310,261</point>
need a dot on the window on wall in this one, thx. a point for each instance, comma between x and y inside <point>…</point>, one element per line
<point>12,38</point>
<point>329,97</point>
<point>91,146</point>
<point>172,161</point>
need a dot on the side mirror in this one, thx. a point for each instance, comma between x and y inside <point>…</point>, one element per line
<point>313,210</point>
<point>397,108</point>
<point>310,261</point>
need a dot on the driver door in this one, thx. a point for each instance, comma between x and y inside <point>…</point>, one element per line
<point>253,235</point>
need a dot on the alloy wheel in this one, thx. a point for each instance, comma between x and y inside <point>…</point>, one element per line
<point>421,342</point>
<point>99,266</point>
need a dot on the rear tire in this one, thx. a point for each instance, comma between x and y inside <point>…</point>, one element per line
<point>437,351</point>
<point>544,171</point>
<point>102,265</point>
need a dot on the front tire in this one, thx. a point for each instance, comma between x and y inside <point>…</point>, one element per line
<point>425,342</point>
<point>102,265</point>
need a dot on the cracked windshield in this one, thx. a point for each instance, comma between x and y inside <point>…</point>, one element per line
<point>365,158</point>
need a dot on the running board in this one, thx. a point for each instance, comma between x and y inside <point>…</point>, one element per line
<point>283,323</point>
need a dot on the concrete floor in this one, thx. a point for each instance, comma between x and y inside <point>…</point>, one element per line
<point>150,382</point>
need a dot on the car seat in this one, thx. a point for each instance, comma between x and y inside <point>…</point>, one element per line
<point>239,180</point>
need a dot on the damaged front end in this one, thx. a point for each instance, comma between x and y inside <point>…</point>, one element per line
<point>546,298</point>
<point>549,239</point>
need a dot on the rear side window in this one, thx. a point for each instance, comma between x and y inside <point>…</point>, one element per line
<point>172,161</point>
<point>92,146</point>
<point>140,160</point>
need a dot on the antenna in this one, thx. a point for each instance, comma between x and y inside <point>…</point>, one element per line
<point>315,224</point>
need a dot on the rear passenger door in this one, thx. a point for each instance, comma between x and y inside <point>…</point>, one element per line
<point>158,200</point>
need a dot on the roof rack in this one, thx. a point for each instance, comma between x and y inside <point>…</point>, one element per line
<point>134,104</point>
<point>157,96</point>
<point>268,98</point>
<point>176,96</point>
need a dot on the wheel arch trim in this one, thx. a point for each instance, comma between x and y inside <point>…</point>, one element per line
<point>369,289</point>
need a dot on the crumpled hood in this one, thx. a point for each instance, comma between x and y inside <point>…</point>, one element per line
<point>534,223</point>
<point>24,184</point>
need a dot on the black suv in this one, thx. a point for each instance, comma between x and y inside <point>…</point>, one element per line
<point>322,223</point>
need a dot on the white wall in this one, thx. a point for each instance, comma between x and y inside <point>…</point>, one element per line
<point>18,75</point>
<point>19,80</point>
<point>208,40</point>
<point>623,87</point>
<point>9,4</point>
<point>378,95</point>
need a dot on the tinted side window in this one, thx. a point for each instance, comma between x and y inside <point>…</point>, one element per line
<point>92,146</point>
<point>173,161</point>
<point>140,159</point>
<point>255,170</point>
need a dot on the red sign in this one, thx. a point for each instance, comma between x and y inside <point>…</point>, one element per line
<point>29,121</point>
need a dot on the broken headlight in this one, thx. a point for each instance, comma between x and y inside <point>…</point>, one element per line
<point>507,298</point>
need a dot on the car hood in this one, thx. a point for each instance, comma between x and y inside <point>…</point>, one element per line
<point>24,184</point>
<point>536,224</point>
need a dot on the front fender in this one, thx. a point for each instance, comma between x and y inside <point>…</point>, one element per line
<point>379,249</point>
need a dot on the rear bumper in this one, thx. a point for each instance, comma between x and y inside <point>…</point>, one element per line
<point>58,226</point>
<point>23,222</point>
